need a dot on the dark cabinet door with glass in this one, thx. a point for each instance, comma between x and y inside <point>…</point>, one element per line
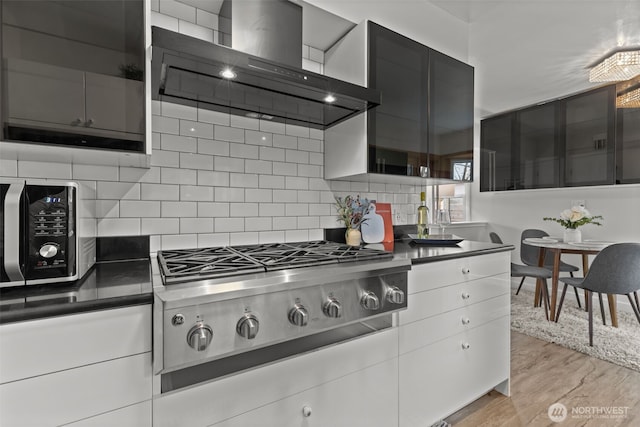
<point>537,145</point>
<point>450,124</point>
<point>589,134</point>
<point>397,128</point>
<point>497,153</point>
<point>73,73</point>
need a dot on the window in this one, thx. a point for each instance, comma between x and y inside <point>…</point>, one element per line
<point>454,197</point>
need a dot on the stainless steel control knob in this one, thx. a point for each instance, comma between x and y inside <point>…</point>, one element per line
<point>395,295</point>
<point>332,308</point>
<point>370,301</point>
<point>248,326</point>
<point>298,315</point>
<point>48,250</point>
<point>200,336</point>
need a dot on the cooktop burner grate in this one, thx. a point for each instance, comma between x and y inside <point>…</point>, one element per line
<point>181,265</point>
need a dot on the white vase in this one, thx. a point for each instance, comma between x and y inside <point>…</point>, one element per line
<point>353,237</point>
<point>572,235</point>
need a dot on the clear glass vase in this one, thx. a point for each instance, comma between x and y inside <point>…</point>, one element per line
<point>572,235</point>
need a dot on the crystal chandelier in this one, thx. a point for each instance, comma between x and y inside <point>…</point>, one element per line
<point>620,64</point>
<point>629,99</point>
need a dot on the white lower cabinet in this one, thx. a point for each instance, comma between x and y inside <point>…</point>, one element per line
<point>366,398</point>
<point>454,342</point>
<point>90,369</point>
<point>354,383</point>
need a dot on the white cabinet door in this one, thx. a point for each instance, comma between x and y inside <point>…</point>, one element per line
<point>44,94</point>
<point>367,398</point>
<point>138,415</point>
<point>114,103</point>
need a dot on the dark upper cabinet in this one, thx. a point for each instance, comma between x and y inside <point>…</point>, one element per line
<point>628,146</point>
<point>580,140</point>
<point>497,153</point>
<point>589,133</point>
<point>72,73</point>
<point>423,126</point>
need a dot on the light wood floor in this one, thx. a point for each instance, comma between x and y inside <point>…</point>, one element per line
<point>543,373</point>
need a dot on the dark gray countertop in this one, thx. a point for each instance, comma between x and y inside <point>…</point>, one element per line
<point>107,285</point>
<point>421,253</point>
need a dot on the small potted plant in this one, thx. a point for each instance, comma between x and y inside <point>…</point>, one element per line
<point>573,218</point>
<point>351,211</point>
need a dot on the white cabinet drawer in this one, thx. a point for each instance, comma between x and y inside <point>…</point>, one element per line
<point>367,398</point>
<point>43,346</point>
<point>450,376</point>
<point>434,275</point>
<point>218,400</point>
<point>440,300</point>
<point>427,331</point>
<point>138,415</point>
<point>75,394</point>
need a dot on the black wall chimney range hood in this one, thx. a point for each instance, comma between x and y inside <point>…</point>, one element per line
<point>189,71</point>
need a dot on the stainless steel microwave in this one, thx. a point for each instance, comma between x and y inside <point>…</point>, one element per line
<point>47,235</point>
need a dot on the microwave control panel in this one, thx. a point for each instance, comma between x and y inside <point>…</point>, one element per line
<point>50,231</point>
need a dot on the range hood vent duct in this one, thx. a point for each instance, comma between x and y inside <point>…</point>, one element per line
<point>187,70</point>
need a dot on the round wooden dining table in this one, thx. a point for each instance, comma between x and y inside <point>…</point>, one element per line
<point>557,248</point>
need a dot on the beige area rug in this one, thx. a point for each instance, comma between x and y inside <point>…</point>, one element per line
<point>616,345</point>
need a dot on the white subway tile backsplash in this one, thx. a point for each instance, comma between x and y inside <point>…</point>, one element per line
<point>196,225</point>
<point>243,209</point>
<point>178,176</point>
<point>311,171</point>
<point>107,208</point>
<point>128,174</point>
<point>317,234</point>
<point>155,5</point>
<point>258,195</point>
<point>320,209</point>
<point>118,190</point>
<point>307,222</point>
<point>244,151</point>
<point>308,196</point>
<point>257,224</point>
<point>155,140</point>
<point>159,192</point>
<point>287,169</point>
<point>308,144</point>
<point>258,137</point>
<point>228,164</point>
<point>227,133</point>
<point>179,241</point>
<point>245,180</point>
<point>118,227</point>
<point>196,161</point>
<point>213,209</point>
<point>206,19</point>
<point>312,66</point>
<point>295,156</point>
<point>258,166</point>
<point>296,235</point>
<point>318,184</point>
<point>330,222</point>
<point>214,117</point>
<point>295,209</point>
<point>359,186</point>
<point>178,111</point>
<point>296,130</point>
<point>223,194</point>
<point>178,209</point>
<point>228,225</point>
<point>193,30</point>
<point>196,193</point>
<point>196,129</point>
<point>284,223</point>
<point>271,237</point>
<point>285,196</point>
<point>210,146</point>
<point>165,158</point>
<point>160,226</point>
<point>139,209</point>
<point>273,154</point>
<point>164,21</point>
<point>316,134</point>
<point>285,141</point>
<point>44,170</point>
<point>165,125</point>
<point>271,209</point>
<point>211,178</point>
<point>245,122</point>
<point>243,238</point>
<point>213,240</point>
<point>178,10</point>
<point>296,183</point>
<point>95,172</point>
<point>271,181</point>
<point>272,127</point>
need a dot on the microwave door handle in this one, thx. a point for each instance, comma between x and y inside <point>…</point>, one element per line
<point>12,232</point>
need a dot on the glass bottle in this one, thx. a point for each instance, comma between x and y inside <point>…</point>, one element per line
<point>423,217</point>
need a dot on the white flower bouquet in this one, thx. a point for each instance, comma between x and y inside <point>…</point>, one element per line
<point>575,217</point>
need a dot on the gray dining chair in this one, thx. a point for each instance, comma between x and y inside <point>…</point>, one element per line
<point>533,271</point>
<point>615,271</point>
<point>529,256</point>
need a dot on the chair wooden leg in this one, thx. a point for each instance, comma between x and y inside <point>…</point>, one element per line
<point>545,297</point>
<point>521,282</point>
<point>604,319</point>
<point>590,318</point>
<point>564,291</point>
<point>635,293</point>
<point>635,305</point>
<point>577,297</point>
